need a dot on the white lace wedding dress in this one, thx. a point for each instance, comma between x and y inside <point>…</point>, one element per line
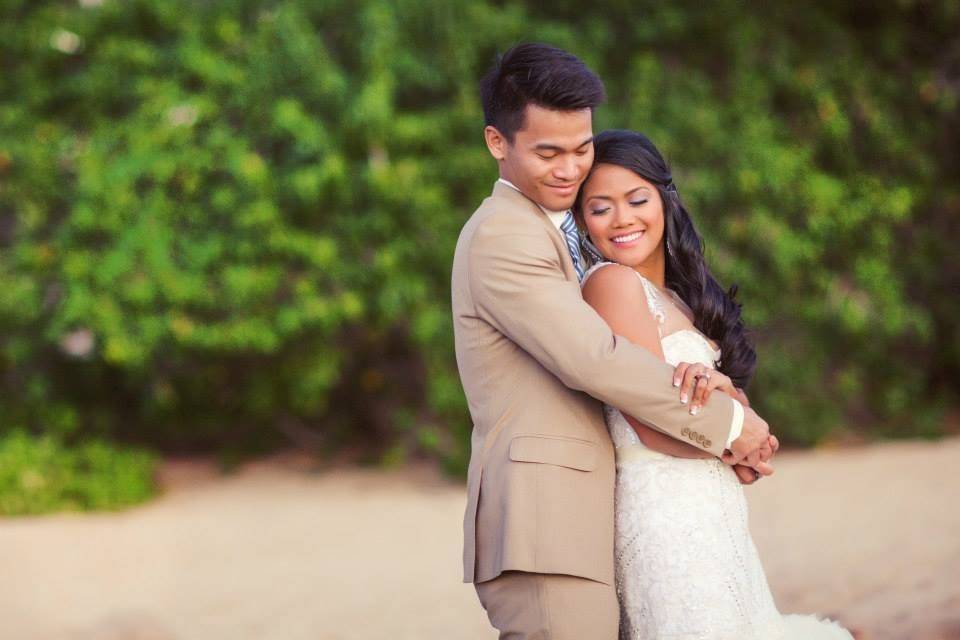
<point>686,566</point>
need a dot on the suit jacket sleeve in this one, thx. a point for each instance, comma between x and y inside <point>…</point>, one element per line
<point>517,283</point>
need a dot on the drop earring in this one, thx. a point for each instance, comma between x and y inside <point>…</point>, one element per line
<point>591,250</point>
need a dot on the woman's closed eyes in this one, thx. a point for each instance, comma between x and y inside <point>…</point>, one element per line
<point>632,203</point>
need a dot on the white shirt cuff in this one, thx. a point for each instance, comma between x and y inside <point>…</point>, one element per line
<point>736,425</point>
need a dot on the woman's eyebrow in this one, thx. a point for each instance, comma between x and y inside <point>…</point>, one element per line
<point>603,197</point>
<point>634,190</point>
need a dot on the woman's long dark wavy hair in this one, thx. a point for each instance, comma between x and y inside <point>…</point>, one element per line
<point>715,312</point>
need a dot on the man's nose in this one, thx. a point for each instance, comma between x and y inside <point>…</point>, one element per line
<point>566,169</point>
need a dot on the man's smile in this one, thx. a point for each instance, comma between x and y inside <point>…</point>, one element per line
<point>565,189</point>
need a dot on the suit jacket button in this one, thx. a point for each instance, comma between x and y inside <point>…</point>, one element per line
<point>685,431</point>
<point>707,444</point>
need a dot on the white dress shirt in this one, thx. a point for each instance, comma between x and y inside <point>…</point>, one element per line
<point>736,424</point>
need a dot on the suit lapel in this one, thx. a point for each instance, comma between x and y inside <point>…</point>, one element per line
<point>525,205</point>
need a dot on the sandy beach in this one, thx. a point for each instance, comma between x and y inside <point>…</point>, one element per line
<point>279,551</point>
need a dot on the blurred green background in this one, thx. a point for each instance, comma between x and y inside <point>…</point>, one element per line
<point>227,227</point>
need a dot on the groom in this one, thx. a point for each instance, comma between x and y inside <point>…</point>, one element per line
<point>536,361</point>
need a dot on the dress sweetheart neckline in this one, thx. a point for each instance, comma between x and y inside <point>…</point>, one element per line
<point>694,332</point>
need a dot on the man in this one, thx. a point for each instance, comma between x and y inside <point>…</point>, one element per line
<point>535,359</point>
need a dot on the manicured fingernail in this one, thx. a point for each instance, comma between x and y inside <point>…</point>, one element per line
<point>694,410</point>
<point>676,382</point>
<point>683,398</point>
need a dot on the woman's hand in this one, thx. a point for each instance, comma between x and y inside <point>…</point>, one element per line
<point>696,381</point>
<point>746,475</point>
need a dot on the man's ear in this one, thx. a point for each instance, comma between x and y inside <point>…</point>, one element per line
<point>496,142</point>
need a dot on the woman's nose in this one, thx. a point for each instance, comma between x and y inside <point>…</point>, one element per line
<point>622,216</point>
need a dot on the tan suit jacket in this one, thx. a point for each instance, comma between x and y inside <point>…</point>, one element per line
<point>536,362</point>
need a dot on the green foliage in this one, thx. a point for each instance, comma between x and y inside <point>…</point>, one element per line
<point>224,225</point>
<point>38,475</point>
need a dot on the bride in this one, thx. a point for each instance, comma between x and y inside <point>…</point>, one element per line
<point>686,565</point>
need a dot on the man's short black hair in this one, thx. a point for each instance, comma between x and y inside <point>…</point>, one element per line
<point>539,74</point>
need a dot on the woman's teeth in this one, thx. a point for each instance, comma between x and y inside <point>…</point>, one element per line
<point>627,238</point>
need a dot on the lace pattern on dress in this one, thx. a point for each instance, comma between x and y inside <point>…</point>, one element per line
<point>686,566</point>
<point>654,304</point>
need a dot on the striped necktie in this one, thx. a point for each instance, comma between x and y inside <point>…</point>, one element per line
<point>569,228</point>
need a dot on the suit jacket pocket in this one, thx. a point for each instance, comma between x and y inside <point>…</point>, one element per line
<point>565,452</point>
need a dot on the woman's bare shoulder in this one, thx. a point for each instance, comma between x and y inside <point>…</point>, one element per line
<point>617,294</point>
<point>611,277</point>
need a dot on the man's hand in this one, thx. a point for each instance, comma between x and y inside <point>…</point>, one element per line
<point>755,446</point>
<point>747,475</point>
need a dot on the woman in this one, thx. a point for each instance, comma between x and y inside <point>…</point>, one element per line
<point>686,565</point>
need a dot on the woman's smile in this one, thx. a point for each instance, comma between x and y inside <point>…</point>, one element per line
<point>627,240</point>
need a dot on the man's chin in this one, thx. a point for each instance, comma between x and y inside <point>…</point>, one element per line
<point>558,204</point>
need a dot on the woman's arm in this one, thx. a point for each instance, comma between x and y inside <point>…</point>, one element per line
<point>653,439</point>
<point>616,293</point>
<point>742,397</point>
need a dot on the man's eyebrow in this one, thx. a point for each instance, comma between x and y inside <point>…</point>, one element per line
<point>546,146</point>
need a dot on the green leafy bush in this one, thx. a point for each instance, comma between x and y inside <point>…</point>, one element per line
<point>38,475</point>
<point>230,225</point>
